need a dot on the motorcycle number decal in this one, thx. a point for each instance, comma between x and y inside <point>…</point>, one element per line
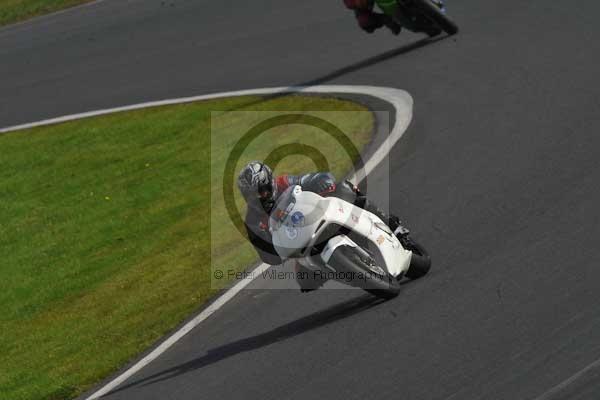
<point>297,218</point>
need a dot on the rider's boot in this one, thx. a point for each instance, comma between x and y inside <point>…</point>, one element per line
<point>400,231</point>
<point>308,280</point>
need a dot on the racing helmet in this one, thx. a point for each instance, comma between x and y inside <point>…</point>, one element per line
<point>256,182</point>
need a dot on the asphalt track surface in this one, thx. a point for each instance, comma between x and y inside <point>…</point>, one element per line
<point>498,175</point>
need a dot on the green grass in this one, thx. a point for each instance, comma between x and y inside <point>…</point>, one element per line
<point>12,11</point>
<point>105,231</point>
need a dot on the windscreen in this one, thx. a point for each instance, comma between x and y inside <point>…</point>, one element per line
<point>285,203</point>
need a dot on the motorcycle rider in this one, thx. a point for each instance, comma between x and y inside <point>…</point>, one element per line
<point>261,190</point>
<point>369,20</point>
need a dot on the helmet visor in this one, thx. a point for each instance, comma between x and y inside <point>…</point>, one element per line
<point>265,191</point>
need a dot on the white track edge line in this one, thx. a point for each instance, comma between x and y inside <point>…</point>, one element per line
<point>400,100</point>
<point>174,338</point>
<point>394,96</point>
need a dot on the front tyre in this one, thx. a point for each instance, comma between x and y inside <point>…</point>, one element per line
<point>346,259</point>
<point>435,14</point>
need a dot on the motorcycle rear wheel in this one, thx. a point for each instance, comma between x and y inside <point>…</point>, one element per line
<point>420,262</point>
<point>433,12</point>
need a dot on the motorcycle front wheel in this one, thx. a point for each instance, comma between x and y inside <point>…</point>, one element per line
<point>347,260</point>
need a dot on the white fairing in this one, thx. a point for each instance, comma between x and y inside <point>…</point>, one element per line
<point>298,214</point>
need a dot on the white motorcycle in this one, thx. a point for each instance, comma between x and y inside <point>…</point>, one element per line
<point>334,239</point>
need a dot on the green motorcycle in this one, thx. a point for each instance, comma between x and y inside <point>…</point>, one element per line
<point>419,15</point>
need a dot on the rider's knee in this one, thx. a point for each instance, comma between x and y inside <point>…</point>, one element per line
<point>368,21</point>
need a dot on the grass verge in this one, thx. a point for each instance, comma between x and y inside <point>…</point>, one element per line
<point>12,11</point>
<point>105,231</point>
